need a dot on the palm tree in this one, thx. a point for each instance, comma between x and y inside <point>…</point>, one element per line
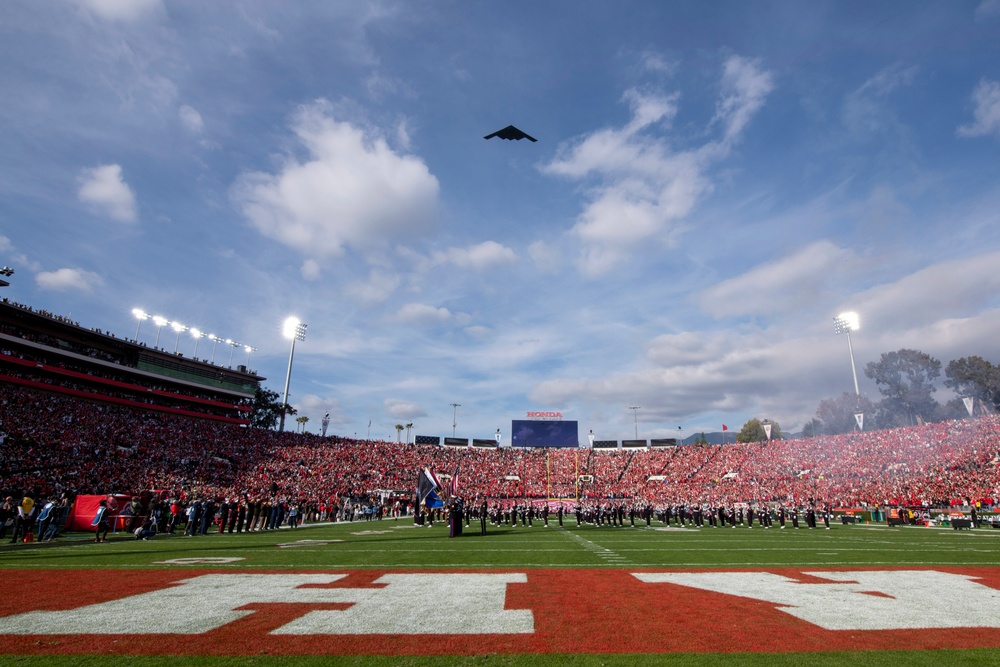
<point>302,422</point>
<point>399,431</point>
<point>409,426</point>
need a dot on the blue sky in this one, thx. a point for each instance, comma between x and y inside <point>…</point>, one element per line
<point>712,184</point>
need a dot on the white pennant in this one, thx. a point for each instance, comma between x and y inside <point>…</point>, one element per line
<point>969,403</point>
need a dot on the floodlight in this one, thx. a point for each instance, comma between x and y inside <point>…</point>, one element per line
<point>140,315</point>
<point>845,323</point>
<point>159,321</point>
<point>294,329</point>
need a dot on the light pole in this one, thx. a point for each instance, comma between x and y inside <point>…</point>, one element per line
<point>159,321</point>
<point>233,345</point>
<point>215,343</point>
<point>845,323</point>
<point>454,417</point>
<point>178,327</point>
<point>140,315</point>
<point>295,330</point>
<point>249,349</point>
<point>635,418</point>
<point>198,335</point>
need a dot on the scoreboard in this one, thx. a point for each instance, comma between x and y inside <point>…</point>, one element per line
<point>543,433</point>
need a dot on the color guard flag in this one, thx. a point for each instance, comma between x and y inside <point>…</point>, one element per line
<point>452,488</point>
<point>725,428</point>
<point>429,489</point>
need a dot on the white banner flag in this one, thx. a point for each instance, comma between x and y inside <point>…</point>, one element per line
<point>969,403</point>
<point>859,417</point>
<point>767,431</point>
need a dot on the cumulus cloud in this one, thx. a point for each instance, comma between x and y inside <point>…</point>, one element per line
<point>645,188</point>
<point>400,409</point>
<point>422,314</point>
<point>352,191</point>
<point>986,113</point>
<point>125,11</point>
<point>949,310</point>
<point>104,189</point>
<point>777,283</point>
<point>69,280</point>
<point>483,256</point>
<point>191,119</point>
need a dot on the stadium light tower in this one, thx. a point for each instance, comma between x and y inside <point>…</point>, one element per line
<point>159,321</point>
<point>295,330</point>
<point>635,418</point>
<point>232,348</point>
<point>215,343</point>
<point>249,349</point>
<point>198,335</point>
<point>139,315</point>
<point>845,323</point>
<point>178,327</point>
<point>454,417</point>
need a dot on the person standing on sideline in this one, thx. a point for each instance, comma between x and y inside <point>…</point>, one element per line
<point>100,522</point>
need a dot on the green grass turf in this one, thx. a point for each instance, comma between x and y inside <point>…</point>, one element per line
<point>390,545</point>
<point>400,545</point>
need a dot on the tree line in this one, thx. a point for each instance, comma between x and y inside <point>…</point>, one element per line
<point>906,380</point>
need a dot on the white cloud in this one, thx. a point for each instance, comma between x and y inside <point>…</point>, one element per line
<point>478,331</point>
<point>545,256</point>
<point>422,314</point>
<point>69,280</point>
<point>481,257</point>
<point>191,119</point>
<point>987,111</point>
<point>948,289</point>
<point>987,9</point>
<point>656,63</point>
<point>404,410</point>
<point>125,11</point>
<point>377,289</point>
<point>104,189</point>
<point>315,407</point>
<point>310,270</point>
<point>646,189</point>
<point>354,190</point>
<point>777,284</point>
<point>865,109</point>
<point>744,87</point>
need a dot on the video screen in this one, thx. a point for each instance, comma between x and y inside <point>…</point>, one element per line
<point>532,433</point>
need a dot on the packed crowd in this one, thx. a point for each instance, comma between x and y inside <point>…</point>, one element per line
<point>54,444</point>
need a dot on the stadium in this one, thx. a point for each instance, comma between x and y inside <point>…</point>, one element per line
<point>490,550</point>
<point>396,332</point>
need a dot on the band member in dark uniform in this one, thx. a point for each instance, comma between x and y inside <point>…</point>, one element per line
<point>482,518</point>
<point>455,518</point>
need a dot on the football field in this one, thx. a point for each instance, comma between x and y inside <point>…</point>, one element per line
<point>386,592</point>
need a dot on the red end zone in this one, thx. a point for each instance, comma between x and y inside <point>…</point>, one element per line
<point>412,612</point>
